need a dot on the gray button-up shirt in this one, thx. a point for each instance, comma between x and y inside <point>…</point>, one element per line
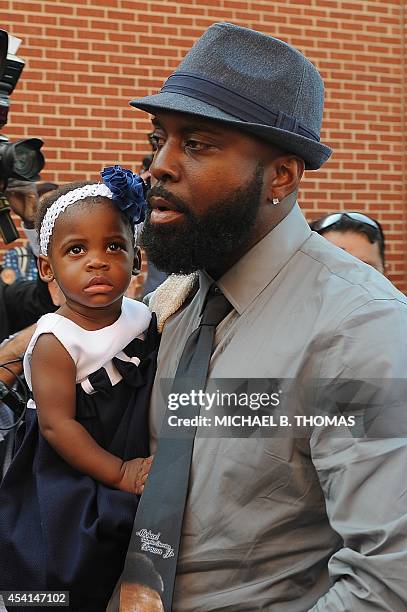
<point>282,523</point>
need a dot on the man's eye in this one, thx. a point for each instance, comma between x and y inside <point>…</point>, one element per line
<point>195,145</point>
<point>76,249</point>
<point>157,141</point>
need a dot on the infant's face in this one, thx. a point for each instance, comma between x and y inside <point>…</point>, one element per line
<point>91,254</point>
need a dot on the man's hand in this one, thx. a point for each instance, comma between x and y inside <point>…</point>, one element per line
<point>139,598</point>
<point>23,200</point>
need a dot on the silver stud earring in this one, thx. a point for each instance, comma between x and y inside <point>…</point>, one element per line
<point>275,201</point>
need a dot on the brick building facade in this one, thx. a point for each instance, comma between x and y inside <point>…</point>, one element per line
<point>85,59</point>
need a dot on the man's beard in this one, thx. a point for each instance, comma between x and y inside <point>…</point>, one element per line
<point>207,241</point>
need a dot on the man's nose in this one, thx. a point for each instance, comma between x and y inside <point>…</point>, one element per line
<point>165,165</point>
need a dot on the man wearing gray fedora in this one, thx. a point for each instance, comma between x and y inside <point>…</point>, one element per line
<point>283,520</point>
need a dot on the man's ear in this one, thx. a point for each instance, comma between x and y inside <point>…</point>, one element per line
<point>136,262</point>
<point>45,269</point>
<point>287,173</point>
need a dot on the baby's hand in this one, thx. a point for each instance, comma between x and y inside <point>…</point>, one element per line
<point>135,474</point>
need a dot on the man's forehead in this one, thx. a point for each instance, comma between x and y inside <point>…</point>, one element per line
<point>187,122</point>
<point>184,120</point>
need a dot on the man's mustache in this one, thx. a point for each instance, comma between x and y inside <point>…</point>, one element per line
<point>161,192</point>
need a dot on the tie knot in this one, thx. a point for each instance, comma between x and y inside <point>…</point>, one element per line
<point>216,307</point>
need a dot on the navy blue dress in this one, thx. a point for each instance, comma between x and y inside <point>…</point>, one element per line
<point>60,529</point>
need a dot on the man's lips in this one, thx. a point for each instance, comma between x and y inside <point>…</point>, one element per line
<point>163,211</point>
<point>98,284</point>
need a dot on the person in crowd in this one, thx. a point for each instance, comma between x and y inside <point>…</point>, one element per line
<point>90,366</point>
<point>272,521</point>
<point>44,187</point>
<point>20,263</point>
<point>21,304</point>
<point>145,167</point>
<point>356,233</point>
<point>142,592</point>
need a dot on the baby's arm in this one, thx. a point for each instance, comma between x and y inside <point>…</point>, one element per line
<point>53,379</point>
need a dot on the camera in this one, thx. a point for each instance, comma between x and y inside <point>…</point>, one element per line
<point>21,160</point>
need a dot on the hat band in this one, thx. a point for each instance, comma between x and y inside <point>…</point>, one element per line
<point>233,103</point>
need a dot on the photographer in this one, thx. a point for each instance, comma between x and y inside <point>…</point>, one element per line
<point>21,304</point>
<point>20,163</point>
<point>20,263</point>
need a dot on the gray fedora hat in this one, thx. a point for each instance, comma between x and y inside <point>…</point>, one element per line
<point>253,82</point>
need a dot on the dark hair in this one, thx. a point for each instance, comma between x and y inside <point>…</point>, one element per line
<point>146,161</point>
<point>346,224</point>
<point>140,569</point>
<point>43,188</point>
<point>47,201</point>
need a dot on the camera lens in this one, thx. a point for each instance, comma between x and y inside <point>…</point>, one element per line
<point>28,161</point>
<point>22,159</point>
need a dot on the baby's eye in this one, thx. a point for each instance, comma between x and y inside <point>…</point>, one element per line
<point>76,249</point>
<point>115,246</point>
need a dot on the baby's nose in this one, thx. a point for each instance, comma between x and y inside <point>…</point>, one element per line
<point>96,262</point>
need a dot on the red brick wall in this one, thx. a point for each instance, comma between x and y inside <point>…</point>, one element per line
<point>87,58</point>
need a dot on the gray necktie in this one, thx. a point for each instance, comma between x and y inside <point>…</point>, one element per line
<point>157,526</point>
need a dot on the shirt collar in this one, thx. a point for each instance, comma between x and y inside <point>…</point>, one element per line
<point>243,282</point>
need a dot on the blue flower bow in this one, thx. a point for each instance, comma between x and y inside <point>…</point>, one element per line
<point>128,192</point>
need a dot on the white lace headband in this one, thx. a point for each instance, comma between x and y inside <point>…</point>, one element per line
<point>58,207</point>
<point>53,212</point>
